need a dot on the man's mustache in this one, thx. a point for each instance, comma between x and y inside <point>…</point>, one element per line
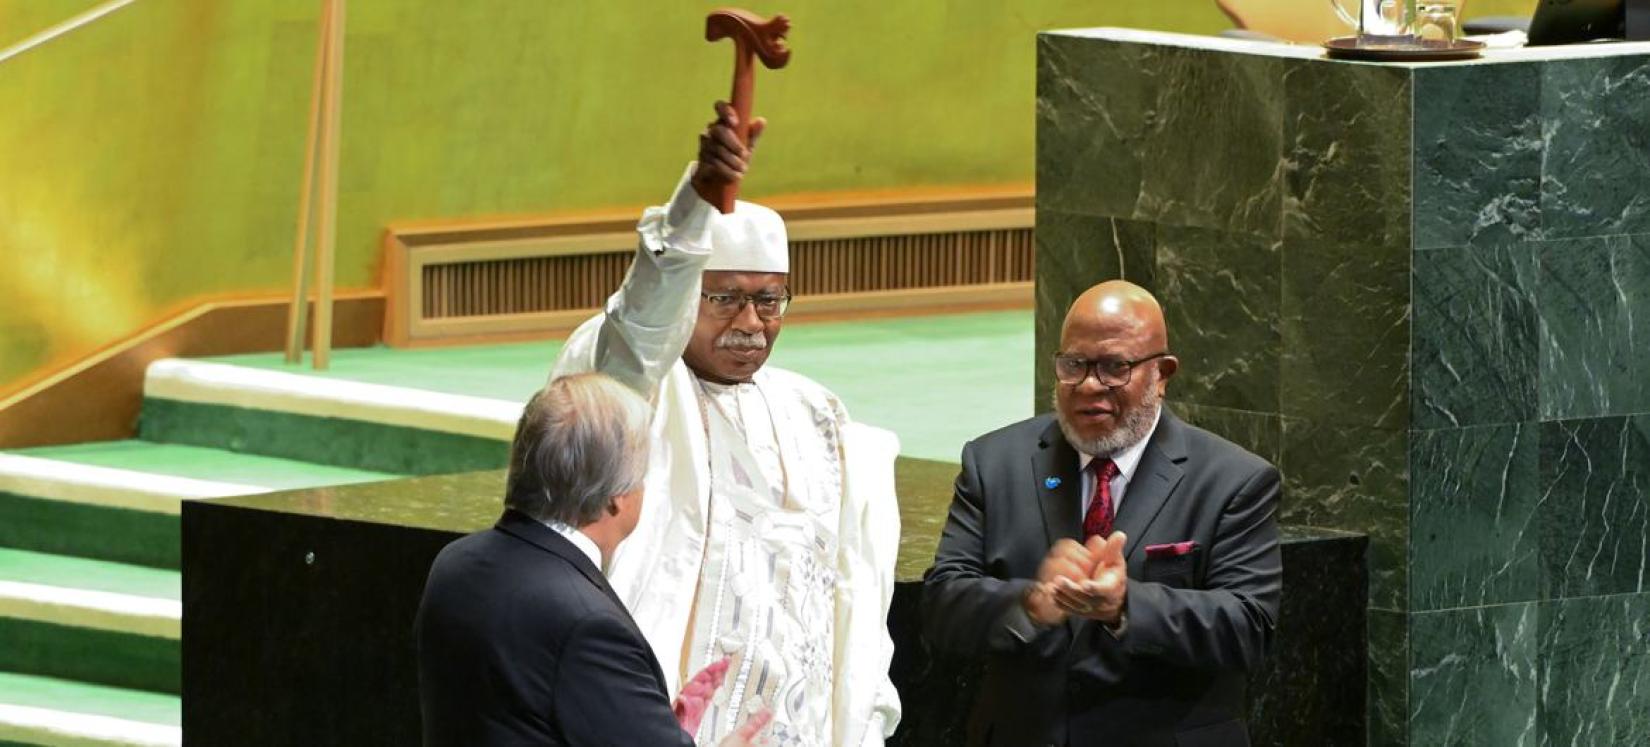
<point>736,340</point>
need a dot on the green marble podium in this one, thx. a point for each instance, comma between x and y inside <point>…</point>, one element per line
<point>1424,292</point>
<point>298,616</point>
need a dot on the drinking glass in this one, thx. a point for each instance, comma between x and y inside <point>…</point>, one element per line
<point>1378,21</point>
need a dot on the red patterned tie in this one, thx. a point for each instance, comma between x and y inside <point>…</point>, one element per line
<point>1098,519</point>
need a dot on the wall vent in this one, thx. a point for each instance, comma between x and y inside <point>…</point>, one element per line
<point>526,279</point>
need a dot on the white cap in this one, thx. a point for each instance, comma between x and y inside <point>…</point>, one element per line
<point>749,239</point>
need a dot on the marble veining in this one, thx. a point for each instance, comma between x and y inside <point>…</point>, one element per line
<point>1594,506</point>
<point>1478,150</point>
<point>1595,671</point>
<point>1220,297</point>
<point>1594,307</point>
<point>1388,678</point>
<point>1474,530</point>
<point>1595,176</point>
<point>1473,676</point>
<point>1474,359</point>
<point>1455,302</point>
<point>1346,333</point>
<point>1346,134</point>
<point>1341,476</point>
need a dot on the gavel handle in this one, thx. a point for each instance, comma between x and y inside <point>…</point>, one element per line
<point>744,90</point>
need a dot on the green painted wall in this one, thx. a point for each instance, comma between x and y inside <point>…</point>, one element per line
<point>152,158</point>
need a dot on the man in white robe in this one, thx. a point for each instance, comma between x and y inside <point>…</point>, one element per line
<point>772,527</point>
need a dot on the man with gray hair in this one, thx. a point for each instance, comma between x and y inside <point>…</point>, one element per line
<point>520,639</point>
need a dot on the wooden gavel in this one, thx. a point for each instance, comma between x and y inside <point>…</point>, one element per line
<point>753,36</point>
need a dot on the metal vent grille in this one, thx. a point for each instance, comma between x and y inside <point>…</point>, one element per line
<point>521,286</point>
<point>935,260</point>
<point>825,266</point>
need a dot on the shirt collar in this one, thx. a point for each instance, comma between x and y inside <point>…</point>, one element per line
<point>1128,459</point>
<point>579,540</point>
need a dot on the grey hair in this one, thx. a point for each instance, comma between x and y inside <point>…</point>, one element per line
<point>581,442</point>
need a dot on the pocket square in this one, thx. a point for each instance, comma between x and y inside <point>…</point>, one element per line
<point>1171,550</point>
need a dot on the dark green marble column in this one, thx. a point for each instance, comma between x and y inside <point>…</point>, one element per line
<point>1424,292</point>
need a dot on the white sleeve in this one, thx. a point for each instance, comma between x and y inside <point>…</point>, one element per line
<point>647,322</point>
<point>871,547</point>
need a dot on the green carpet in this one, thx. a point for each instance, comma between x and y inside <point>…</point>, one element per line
<point>104,657</point>
<point>195,462</point>
<point>79,697</point>
<point>936,380</point>
<point>84,573</point>
<point>84,530</point>
<point>317,442</point>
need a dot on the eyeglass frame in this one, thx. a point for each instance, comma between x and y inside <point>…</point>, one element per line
<point>749,299</point>
<point>1091,368</point>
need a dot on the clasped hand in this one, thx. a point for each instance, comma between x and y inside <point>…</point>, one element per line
<point>1087,580</point>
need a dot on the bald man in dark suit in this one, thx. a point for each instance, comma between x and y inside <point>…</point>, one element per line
<point>1118,570</point>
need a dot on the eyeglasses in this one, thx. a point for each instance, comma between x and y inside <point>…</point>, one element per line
<point>727,305</point>
<point>1073,370</point>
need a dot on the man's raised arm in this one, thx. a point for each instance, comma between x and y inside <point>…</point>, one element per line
<point>648,320</point>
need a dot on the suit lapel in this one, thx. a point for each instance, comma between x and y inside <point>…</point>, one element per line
<point>1154,481</point>
<point>1059,488</point>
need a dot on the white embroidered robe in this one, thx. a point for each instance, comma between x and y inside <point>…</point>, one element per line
<point>803,521</point>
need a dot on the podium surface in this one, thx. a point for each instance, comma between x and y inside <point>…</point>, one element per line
<point>1423,291</point>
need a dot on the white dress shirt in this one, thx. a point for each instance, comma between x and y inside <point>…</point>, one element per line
<point>579,540</point>
<point>1127,461</point>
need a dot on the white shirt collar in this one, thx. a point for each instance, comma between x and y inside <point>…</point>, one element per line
<point>1128,459</point>
<point>579,540</point>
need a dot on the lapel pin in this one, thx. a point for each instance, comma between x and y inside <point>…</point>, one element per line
<point>1051,483</point>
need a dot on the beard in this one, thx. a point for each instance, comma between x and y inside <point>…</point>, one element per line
<point>734,339</point>
<point>1137,422</point>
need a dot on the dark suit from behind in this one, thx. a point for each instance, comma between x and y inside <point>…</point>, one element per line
<point>521,641</point>
<point>1197,623</point>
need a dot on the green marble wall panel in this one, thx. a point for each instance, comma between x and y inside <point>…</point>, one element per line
<point>1220,296</point>
<point>1594,511</point>
<point>1123,132</point>
<point>1086,131</point>
<point>1345,333</point>
<point>1232,182</point>
<point>1074,252</point>
<point>1595,177</point>
<point>1338,476</point>
<point>1347,152</point>
<point>1478,151</point>
<point>1443,340</point>
<point>1475,535</point>
<point>1388,678</point>
<point>1475,341</point>
<point>1595,671</point>
<point>1259,432</point>
<point>1594,306</point>
<point>1473,676</point>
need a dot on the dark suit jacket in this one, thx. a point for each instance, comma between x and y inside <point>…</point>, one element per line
<point>521,641</point>
<point>1197,623</point>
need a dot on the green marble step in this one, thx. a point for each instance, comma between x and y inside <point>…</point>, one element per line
<point>90,620</point>
<point>38,710</point>
<point>936,381</point>
<point>119,500</point>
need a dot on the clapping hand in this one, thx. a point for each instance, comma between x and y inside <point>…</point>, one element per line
<point>695,698</point>
<point>1066,561</point>
<point>1101,593</point>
